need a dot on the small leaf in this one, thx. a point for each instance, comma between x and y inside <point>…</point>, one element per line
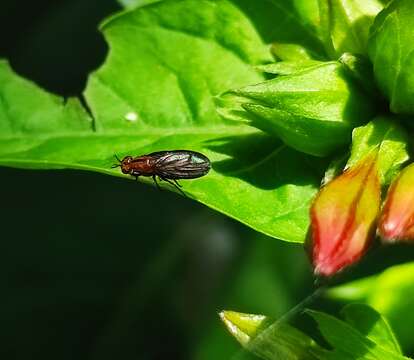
<point>270,342</point>
<point>391,293</point>
<point>389,139</point>
<point>350,343</point>
<point>391,49</point>
<point>371,324</point>
<point>290,52</point>
<point>345,25</point>
<point>136,3</point>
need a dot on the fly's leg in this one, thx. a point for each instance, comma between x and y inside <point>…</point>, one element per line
<point>176,182</point>
<point>156,182</point>
<point>135,175</point>
<point>173,184</point>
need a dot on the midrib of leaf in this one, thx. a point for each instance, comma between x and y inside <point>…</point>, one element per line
<point>398,69</point>
<point>219,131</point>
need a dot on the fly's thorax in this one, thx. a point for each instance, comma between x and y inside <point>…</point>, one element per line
<point>144,165</point>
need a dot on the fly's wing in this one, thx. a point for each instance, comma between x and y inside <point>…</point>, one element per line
<point>182,165</point>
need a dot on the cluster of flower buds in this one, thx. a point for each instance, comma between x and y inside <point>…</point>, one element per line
<point>347,211</point>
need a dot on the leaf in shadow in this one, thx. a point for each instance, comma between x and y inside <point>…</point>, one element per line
<point>265,162</point>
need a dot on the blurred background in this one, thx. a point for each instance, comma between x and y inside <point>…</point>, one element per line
<point>94,267</point>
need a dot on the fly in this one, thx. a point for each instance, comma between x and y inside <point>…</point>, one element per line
<point>169,166</point>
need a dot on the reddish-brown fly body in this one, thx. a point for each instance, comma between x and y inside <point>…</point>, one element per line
<point>166,165</point>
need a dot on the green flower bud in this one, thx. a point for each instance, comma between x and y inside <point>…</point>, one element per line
<point>312,109</point>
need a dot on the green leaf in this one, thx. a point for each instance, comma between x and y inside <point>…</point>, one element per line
<point>30,116</point>
<point>270,341</point>
<point>290,52</point>
<point>308,11</point>
<point>136,3</point>
<point>357,290</point>
<point>313,109</point>
<point>350,343</point>
<point>365,335</point>
<point>287,67</point>
<point>391,49</point>
<point>360,68</point>
<point>371,324</point>
<point>283,21</point>
<point>389,138</point>
<point>345,25</point>
<point>155,92</point>
<point>391,293</point>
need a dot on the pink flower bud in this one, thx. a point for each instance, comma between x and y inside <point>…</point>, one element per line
<point>343,217</point>
<point>397,217</point>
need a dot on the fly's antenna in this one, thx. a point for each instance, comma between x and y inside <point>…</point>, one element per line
<point>116,165</point>
<point>116,157</point>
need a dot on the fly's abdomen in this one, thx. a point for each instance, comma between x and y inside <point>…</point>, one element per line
<point>182,164</point>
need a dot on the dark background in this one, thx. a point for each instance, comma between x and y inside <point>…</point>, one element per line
<point>94,267</point>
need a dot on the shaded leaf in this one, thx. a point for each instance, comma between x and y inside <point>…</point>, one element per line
<point>371,324</point>
<point>270,342</point>
<point>391,293</point>
<point>136,3</point>
<point>348,342</point>
<point>391,49</point>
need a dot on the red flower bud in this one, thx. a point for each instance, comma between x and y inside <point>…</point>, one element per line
<point>397,218</point>
<point>343,217</point>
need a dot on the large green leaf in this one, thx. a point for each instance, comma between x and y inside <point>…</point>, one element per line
<point>391,49</point>
<point>284,21</point>
<point>155,92</point>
